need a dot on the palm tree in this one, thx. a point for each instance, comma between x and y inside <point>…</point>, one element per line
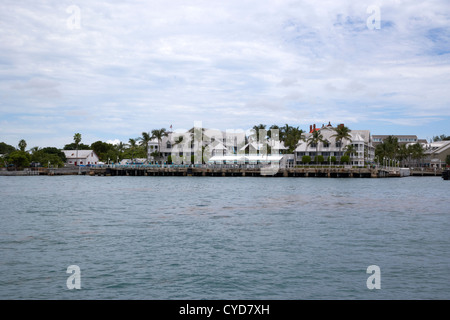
<point>77,140</point>
<point>22,145</point>
<point>314,139</point>
<point>285,131</point>
<point>416,151</point>
<point>132,143</point>
<point>159,134</point>
<point>256,129</point>
<point>292,140</point>
<point>349,150</point>
<point>341,133</point>
<point>145,139</point>
<point>274,127</point>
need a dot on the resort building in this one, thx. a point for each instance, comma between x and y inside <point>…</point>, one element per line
<point>220,146</point>
<point>402,139</point>
<point>436,154</point>
<point>361,142</point>
<point>81,157</point>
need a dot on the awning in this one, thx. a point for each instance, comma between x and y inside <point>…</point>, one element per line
<point>245,158</point>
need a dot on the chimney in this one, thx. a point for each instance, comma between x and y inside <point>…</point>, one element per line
<point>314,128</point>
<point>310,128</point>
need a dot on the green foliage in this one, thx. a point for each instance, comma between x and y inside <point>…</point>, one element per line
<point>20,159</point>
<point>105,151</point>
<point>319,159</point>
<point>306,159</point>
<point>6,149</point>
<point>389,148</point>
<point>169,159</point>
<point>333,159</point>
<point>22,145</point>
<point>73,146</point>
<point>342,133</point>
<point>442,137</point>
<point>50,154</point>
<point>345,159</point>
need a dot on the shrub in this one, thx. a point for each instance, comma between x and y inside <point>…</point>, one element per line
<point>306,159</point>
<point>319,159</point>
<point>333,159</point>
<point>345,159</point>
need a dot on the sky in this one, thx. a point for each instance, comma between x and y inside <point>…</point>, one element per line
<point>111,70</point>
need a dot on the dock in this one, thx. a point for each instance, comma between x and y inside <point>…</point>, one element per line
<point>247,171</point>
<point>228,171</point>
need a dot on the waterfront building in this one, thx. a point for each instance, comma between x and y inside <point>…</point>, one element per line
<point>402,139</point>
<point>222,146</point>
<point>81,157</point>
<point>361,140</point>
<point>436,154</point>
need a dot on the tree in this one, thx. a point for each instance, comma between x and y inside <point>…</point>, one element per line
<point>20,159</point>
<point>145,139</point>
<point>159,134</point>
<point>345,159</point>
<point>77,140</point>
<point>442,137</point>
<point>341,133</point>
<point>256,129</point>
<point>331,159</point>
<point>22,145</point>
<point>132,143</point>
<point>416,151</point>
<point>349,150</point>
<point>105,150</point>
<point>306,159</point>
<point>6,149</point>
<point>73,146</point>
<point>319,159</point>
<point>314,139</point>
<point>293,138</point>
<point>48,155</point>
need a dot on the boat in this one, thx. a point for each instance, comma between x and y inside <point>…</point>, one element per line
<point>446,174</point>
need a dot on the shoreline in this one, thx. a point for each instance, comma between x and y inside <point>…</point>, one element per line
<point>230,172</point>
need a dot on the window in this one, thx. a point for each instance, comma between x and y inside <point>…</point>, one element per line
<point>338,144</point>
<point>169,145</point>
<point>326,144</point>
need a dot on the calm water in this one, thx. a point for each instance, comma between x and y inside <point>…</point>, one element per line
<point>224,238</point>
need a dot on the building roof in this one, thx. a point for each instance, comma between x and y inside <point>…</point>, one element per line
<point>437,147</point>
<point>250,158</point>
<point>82,154</point>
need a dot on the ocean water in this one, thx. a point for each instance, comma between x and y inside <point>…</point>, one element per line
<point>224,237</point>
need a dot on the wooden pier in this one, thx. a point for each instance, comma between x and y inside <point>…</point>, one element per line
<point>246,172</point>
<point>226,171</point>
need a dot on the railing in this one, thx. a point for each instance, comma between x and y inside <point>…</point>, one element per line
<point>200,166</point>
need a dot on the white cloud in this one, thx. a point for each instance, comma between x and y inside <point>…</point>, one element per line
<point>134,65</point>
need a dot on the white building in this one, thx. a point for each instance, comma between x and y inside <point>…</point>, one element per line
<point>360,139</point>
<point>436,153</point>
<point>215,143</point>
<point>81,157</point>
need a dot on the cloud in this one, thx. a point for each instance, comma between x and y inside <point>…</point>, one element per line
<point>134,66</point>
